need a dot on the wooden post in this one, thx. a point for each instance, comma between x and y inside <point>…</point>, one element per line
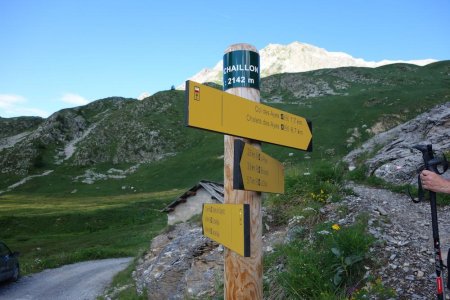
<point>243,275</point>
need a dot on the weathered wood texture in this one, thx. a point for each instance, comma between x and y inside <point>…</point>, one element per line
<point>243,275</point>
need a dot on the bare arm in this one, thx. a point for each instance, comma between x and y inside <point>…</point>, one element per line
<point>434,182</point>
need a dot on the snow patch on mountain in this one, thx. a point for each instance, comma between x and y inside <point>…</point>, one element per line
<point>298,57</point>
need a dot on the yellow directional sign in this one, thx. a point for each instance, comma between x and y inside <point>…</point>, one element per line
<point>229,225</point>
<point>255,170</point>
<point>215,110</point>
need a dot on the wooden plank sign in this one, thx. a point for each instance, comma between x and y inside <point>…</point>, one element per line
<point>215,110</point>
<point>255,170</point>
<point>229,225</point>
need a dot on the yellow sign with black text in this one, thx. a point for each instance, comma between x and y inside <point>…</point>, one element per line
<point>255,170</point>
<point>215,110</point>
<point>229,225</point>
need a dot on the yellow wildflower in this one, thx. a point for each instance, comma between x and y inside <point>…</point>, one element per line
<point>336,227</point>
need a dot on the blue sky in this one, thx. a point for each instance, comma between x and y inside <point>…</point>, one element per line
<point>58,54</point>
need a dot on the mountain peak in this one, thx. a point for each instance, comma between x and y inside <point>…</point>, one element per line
<point>298,57</point>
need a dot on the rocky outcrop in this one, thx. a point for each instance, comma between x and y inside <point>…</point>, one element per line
<point>390,154</point>
<point>317,83</point>
<point>184,264</point>
<point>181,264</point>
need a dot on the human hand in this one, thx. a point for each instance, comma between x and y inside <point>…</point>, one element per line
<point>434,182</point>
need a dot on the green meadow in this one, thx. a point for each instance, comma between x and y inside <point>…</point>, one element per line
<point>52,231</point>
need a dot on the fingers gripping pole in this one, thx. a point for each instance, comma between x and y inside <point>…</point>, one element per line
<point>431,165</point>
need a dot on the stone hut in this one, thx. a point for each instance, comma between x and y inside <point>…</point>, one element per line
<point>190,203</point>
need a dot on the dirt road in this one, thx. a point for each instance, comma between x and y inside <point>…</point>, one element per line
<point>85,280</point>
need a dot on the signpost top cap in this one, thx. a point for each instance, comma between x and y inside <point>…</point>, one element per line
<point>241,46</point>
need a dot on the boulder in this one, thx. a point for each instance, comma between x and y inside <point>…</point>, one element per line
<point>180,264</point>
<point>392,156</point>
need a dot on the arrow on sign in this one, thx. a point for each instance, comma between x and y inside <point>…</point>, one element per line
<point>215,110</point>
<point>255,170</point>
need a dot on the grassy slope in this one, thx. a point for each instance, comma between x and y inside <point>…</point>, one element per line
<point>333,116</point>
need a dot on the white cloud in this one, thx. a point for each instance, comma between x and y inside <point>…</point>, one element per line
<point>8,100</point>
<point>74,99</point>
<point>15,106</point>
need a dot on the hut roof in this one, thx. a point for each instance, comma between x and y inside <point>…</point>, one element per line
<point>213,188</point>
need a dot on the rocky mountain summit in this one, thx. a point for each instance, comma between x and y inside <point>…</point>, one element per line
<point>299,57</point>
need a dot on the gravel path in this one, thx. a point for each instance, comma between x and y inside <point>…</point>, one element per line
<point>85,280</point>
<point>405,249</point>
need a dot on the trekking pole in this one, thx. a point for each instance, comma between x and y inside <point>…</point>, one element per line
<point>432,164</point>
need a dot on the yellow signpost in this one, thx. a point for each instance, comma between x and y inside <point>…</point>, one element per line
<point>215,110</point>
<point>255,170</point>
<point>229,225</point>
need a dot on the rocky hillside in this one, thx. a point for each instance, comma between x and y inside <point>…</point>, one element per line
<point>113,130</point>
<point>358,102</point>
<point>295,87</point>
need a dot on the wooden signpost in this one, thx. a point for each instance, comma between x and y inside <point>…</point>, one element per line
<point>236,112</point>
<point>242,275</point>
